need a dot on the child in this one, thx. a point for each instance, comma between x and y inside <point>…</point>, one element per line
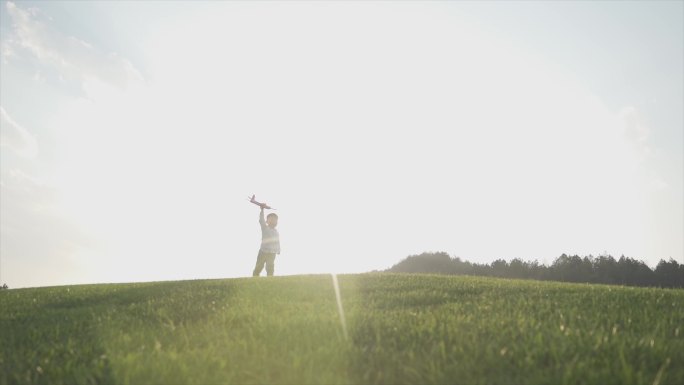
<point>270,244</point>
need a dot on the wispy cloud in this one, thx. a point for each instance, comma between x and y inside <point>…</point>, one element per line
<point>15,137</point>
<point>37,239</point>
<point>636,131</point>
<point>35,40</point>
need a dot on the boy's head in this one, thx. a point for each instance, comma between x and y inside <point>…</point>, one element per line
<point>272,220</point>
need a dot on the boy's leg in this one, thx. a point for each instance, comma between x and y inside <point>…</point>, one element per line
<point>270,262</point>
<point>259,264</point>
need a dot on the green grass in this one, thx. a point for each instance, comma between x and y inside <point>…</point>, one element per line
<point>402,329</point>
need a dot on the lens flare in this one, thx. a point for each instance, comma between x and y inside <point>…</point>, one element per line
<point>339,305</point>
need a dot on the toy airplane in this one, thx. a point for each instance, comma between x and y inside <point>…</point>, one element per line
<point>262,205</point>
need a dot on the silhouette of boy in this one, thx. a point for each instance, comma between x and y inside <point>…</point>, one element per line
<point>270,244</point>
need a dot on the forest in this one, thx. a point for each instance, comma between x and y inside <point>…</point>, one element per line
<point>604,269</point>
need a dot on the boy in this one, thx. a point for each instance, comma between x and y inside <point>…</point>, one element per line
<point>270,244</point>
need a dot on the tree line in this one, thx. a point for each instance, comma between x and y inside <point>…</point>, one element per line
<point>589,269</point>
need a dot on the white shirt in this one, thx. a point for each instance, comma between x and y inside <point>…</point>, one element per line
<point>270,239</point>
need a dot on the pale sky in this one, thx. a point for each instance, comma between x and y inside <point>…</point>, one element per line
<point>133,132</point>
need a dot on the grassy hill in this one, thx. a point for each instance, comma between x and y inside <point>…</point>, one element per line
<point>402,329</point>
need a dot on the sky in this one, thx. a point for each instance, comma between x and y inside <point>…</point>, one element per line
<point>132,134</point>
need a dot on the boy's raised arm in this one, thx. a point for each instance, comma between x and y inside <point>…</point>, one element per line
<point>262,221</point>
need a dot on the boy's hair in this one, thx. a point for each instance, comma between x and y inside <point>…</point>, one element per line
<point>272,215</point>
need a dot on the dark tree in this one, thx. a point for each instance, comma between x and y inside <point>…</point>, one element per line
<point>669,274</point>
<point>439,263</point>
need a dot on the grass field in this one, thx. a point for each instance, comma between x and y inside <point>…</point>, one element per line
<point>402,329</point>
